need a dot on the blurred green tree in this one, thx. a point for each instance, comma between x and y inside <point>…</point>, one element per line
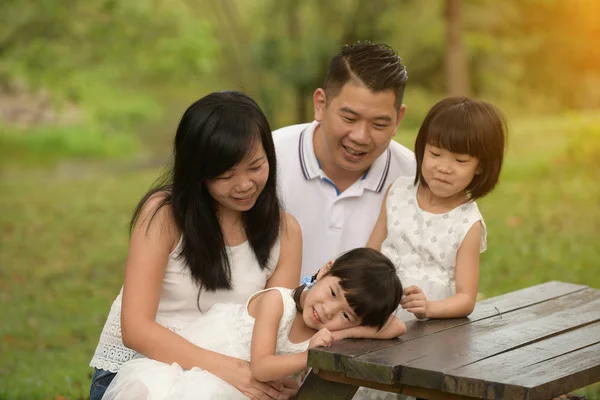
<point>101,53</point>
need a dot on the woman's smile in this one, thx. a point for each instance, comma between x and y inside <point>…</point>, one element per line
<point>244,199</point>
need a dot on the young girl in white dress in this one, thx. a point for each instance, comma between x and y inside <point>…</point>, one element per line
<point>360,288</point>
<point>430,225</point>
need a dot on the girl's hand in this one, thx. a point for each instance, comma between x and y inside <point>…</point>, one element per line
<point>322,338</point>
<point>241,378</point>
<point>414,301</point>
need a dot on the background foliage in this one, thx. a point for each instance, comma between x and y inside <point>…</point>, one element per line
<point>90,95</point>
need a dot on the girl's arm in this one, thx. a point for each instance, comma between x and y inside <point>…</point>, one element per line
<point>393,328</point>
<point>467,284</point>
<point>379,232</point>
<point>150,246</point>
<point>264,363</point>
<point>287,271</point>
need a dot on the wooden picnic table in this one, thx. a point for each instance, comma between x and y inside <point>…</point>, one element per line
<point>534,343</point>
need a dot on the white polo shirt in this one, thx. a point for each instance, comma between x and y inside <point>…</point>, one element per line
<point>331,222</point>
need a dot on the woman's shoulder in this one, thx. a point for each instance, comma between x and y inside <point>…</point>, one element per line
<point>290,233</point>
<point>156,216</point>
<point>290,225</point>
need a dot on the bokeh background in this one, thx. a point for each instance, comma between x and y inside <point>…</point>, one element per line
<point>91,92</point>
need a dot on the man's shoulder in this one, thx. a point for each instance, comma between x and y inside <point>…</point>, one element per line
<point>402,160</point>
<point>288,134</point>
<point>401,152</point>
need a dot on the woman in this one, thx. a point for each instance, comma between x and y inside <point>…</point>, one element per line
<point>213,232</point>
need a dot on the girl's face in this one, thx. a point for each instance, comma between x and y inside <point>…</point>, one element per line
<point>325,306</point>
<point>447,174</point>
<point>239,188</point>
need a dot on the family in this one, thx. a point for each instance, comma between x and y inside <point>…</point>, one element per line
<point>213,305</point>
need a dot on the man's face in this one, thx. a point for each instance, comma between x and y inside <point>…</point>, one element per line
<point>356,126</point>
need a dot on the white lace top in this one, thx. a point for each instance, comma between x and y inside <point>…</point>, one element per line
<point>178,304</point>
<point>422,245</point>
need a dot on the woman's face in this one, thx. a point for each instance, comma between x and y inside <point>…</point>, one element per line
<point>238,188</point>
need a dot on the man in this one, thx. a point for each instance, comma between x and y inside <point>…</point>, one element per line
<point>334,172</point>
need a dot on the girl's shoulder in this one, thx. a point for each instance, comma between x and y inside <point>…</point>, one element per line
<point>271,299</point>
<point>470,208</point>
<point>466,216</point>
<point>402,184</point>
<point>403,189</point>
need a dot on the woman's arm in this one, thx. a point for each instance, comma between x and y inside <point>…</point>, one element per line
<point>151,243</point>
<point>287,271</point>
<point>379,232</point>
<point>467,284</point>
<point>264,363</point>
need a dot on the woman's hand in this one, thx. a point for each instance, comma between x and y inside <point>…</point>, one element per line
<point>322,338</point>
<point>241,378</point>
<point>414,301</point>
<point>291,387</point>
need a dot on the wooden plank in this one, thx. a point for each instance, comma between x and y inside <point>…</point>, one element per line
<point>315,387</point>
<point>516,329</point>
<point>424,361</point>
<point>495,306</point>
<point>337,354</point>
<point>492,377</point>
<point>407,390</point>
<point>561,374</point>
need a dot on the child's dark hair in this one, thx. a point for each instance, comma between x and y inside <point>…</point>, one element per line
<point>370,284</point>
<point>466,126</point>
<point>216,133</point>
<point>375,66</point>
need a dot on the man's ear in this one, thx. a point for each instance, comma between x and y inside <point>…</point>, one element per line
<point>320,103</point>
<point>400,116</point>
<point>325,270</point>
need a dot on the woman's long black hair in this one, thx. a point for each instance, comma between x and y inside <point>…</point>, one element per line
<point>215,134</point>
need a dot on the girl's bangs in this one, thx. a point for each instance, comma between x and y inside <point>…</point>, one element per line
<point>452,130</point>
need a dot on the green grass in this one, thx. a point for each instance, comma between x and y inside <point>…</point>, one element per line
<point>48,146</point>
<point>64,242</point>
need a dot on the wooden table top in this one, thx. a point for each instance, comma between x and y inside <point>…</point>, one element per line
<point>534,343</point>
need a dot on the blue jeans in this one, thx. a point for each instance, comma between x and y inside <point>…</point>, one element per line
<point>100,381</point>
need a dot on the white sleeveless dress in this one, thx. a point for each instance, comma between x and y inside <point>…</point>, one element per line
<point>423,248</point>
<point>178,304</point>
<point>226,329</point>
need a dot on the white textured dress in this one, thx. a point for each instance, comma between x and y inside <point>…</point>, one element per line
<point>226,329</point>
<point>423,247</point>
<point>178,304</point>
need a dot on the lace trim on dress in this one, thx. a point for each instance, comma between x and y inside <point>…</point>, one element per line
<point>111,353</point>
